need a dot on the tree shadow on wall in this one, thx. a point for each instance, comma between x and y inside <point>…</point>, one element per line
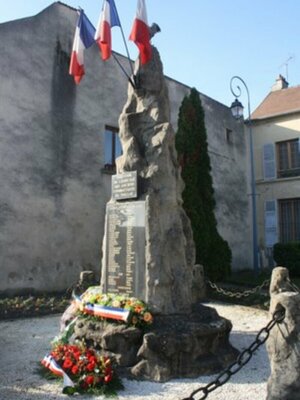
<point>61,132</point>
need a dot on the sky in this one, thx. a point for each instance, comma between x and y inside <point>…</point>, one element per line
<point>204,43</point>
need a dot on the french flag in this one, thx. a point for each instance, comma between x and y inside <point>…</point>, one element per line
<point>119,314</point>
<point>109,312</point>
<point>140,34</point>
<point>108,18</point>
<point>49,362</point>
<point>83,39</point>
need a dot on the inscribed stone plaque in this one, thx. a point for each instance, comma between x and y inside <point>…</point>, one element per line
<point>124,186</point>
<point>125,248</point>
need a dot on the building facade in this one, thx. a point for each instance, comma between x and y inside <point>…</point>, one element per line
<point>276,138</point>
<point>58,142</point>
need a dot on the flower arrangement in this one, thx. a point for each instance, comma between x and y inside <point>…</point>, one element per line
<point>140,316</point>
<point>84,370</point>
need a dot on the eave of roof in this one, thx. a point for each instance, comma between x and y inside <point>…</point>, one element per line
<point>275,115</point>
<point>278,103</point>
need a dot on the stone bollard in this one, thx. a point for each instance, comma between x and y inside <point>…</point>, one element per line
<point>283,344</point>
<point>198,285</point>
<point>86,279</point>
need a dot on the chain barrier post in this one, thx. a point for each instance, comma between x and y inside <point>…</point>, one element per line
<point>283,346</point>
<point>285,303</point>
<point>243,359</point>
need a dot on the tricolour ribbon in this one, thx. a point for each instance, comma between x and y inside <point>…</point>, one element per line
<point>103,311</point>
<point>49,362</point>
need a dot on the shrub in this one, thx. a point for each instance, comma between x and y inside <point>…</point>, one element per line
<point>212,251</point>
<point>288,255</point>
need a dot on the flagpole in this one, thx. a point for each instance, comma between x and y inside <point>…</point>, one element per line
<point>123,69</point>
<point>127,51</point>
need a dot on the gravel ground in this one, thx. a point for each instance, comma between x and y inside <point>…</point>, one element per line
<point>24,342</point>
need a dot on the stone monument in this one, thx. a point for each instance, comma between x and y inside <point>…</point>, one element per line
<point>148,250</point>
<point>148,143</point>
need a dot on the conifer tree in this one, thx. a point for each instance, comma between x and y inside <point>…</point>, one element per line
<point>198,196</point>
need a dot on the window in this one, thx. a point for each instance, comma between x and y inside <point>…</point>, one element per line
<point>270,223</point>
<point>289,220</point>
<point>288,158</point>
<point>228,135</point>
<point>269,166</point>
<point>112,148</point>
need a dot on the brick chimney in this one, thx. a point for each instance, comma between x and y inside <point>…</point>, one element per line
<point>279,84</point>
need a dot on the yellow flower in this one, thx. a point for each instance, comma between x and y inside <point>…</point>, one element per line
<point>116,303</point>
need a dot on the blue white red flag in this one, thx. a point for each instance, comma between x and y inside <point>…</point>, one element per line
<point>49,362</point>
<point>140,34</point>
<point>107,312</point>
<point>97,310</point>
<point>83,39</point>
<point>108,18</point>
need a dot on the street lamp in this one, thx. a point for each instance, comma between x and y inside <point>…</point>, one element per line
<point>237,109</point>
<point>237,112</point>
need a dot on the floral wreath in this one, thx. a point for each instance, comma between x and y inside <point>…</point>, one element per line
<point>132,311</point>
<point>83,369</point>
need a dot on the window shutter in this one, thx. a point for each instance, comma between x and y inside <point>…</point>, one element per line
<point>108,146</point>
<point>269,161</point>
<point>271,236</point>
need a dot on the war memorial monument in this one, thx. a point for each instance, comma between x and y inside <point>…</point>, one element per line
<point>149,253</point>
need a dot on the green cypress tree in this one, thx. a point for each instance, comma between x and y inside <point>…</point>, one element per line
<point>212,251</point>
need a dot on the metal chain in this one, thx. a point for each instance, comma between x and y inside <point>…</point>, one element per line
<point>293,286</point>
<point>243,358</point>
<point>238,295</point>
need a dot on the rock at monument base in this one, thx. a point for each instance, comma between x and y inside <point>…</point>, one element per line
<point>185,346</point>
<point>175,346</point>
<point>119,341</point>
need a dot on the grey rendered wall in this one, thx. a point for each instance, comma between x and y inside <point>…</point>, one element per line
<point>53,190</point>
<point>53,193</point>
<point>229,162</point>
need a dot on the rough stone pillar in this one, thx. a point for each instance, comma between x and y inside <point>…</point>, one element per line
<point>283,345</point>
<point>148,143</point>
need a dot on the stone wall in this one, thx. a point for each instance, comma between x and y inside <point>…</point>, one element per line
<point>53,189</point>
<point>227,147</point>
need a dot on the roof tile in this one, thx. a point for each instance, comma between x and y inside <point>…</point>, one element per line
<point>278,102</point>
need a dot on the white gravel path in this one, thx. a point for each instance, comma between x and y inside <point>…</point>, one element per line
<point>24,342</point>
